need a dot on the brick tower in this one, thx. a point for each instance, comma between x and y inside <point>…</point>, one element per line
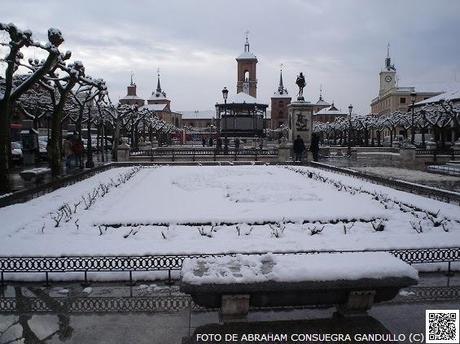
<point>247,77</point>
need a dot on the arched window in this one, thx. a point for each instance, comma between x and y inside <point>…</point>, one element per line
<point>246,75</point>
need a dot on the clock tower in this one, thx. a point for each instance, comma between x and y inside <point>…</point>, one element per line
<point>387,75</point>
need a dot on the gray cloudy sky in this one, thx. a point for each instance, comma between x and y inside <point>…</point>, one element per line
<point>340,44</point>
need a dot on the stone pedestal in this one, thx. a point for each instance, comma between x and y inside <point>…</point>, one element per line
<point>234,307</point>
<point>358,303</point>
<point>300,118</point>
<point>407,154</point>
<point>123,150</point>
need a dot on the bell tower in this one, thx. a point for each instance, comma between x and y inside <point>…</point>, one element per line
<point>387,75</point>
<point>246,71</point>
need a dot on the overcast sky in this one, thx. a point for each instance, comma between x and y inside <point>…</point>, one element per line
<point>339,44</point>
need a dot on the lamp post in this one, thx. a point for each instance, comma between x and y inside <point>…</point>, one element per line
<point>350,109</point>
<point>89,146</point>
<point>413,97</point>
<point>224,95</point>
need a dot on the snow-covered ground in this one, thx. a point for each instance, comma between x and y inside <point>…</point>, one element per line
<point>406,174</point>
<point>169,210</point>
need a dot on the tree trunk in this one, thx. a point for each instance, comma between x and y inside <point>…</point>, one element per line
<point>56,154</point>
<point>5,145</point>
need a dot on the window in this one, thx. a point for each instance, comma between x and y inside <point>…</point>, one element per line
<point>246,75</point>
<point>281,103</point>
<point>402,100</point>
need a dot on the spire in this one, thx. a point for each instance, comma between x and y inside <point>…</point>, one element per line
<point>246,45</point>
<point>320,92</point>
<point>158,82</point>
<point>281,86</point>
<point>388,65</point>
<point>132,74</point>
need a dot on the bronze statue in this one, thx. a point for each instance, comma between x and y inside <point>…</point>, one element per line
<point>301,83</point>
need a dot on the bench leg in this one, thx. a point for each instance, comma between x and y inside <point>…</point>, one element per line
<point>234,307</point>
<point>358,303</point>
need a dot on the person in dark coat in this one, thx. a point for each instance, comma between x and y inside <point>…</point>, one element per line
<point>299,148</point>
<point>203,141</point>
<point>237,144</point>
<point>314,146</point>
<point>211,142</point>
<point>218,144</point>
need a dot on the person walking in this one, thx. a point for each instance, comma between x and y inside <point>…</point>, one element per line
<point>314,146</point>
<point>299,148</point>
<point>218,144</point>
<point>78,148</point>
<point>203,141</point>
<point>211,142</point>
<point>237,144</point>
<point>68,152</point>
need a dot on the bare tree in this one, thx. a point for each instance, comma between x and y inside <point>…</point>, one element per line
<point>10,92</point>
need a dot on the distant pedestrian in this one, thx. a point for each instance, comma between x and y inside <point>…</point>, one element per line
<point>314,146</point>
<point>211,142</point>
<point>226,142</point>
<point>203,141</point>
<point>299,148</point>
<point>78,148</point>
<point>68,152</point>
<point>218,144</point>
<point>237,144</point>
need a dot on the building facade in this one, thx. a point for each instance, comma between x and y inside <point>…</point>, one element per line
<point>279,102</point>
<point>391,97</point>
<point>329,114</point>
<point>158,102</point>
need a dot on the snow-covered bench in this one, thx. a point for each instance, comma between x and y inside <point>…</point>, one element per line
<point>351,281</point>
<point>34,174</point>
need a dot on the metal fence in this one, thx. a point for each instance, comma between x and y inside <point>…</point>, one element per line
<point>176,302</point>
<point>200,153</point>
<point>169,263</point>
<point>449,152</point>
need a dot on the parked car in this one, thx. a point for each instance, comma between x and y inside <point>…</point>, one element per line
<point>42,146</point>
<point>16,152</point>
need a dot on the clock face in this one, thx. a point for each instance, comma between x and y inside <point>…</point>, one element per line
<point>388,78</point>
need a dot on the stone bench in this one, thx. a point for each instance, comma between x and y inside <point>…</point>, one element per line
<point>34,174</point>
<point>351,281</point>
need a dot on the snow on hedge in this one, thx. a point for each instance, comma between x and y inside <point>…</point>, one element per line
<point>186,210</point>
<point>294,268</point>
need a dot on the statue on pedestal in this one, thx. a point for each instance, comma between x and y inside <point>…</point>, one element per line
<point>300,81</point>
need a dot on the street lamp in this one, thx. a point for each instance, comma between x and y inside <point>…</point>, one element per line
<point>224,95</point>
<point>89,145</point>
<point>413,97</point>
<point>350,109</point>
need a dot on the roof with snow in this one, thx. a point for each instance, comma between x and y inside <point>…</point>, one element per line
<point>198,114</point>
<point>322,102</point>
<point>246,54</point>
<point>154,107</point>
<point>241,98</point>
<point>332,110</point>
<point>131,97</point>
<point>449,95</point>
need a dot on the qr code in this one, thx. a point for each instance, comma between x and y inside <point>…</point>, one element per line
<point>442,326</point>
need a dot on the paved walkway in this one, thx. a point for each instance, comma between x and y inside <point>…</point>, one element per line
<point>156,313</point>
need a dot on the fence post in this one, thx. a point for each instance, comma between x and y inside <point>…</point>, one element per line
<point>85,283</point>
<point>173,155</point>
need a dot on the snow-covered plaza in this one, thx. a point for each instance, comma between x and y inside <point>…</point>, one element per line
<point>204,209</point>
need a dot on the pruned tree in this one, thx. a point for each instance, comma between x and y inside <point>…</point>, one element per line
<point>11,91</point>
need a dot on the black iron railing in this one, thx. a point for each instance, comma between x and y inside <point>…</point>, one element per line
<point>198,153</point>
<point>169,263</point>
